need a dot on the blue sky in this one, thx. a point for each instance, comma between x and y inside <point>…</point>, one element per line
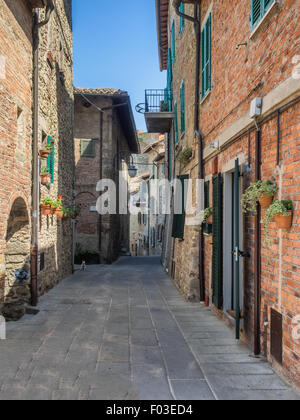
<point>115,46</point>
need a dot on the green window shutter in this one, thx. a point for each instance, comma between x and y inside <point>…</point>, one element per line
<point>173,40</point>
<point>206,58</point>
<point>87,148</point>
<point>176,123</point>
<point>51,158</point>
<point>170,167</point>
<point>182,107</point>
<point>217,259</point>
<point>182,10</point>
<point>267,4</point>
<point>256,11</point>
<point>169,71</point>
<point>179,219</point>
<point>207,227</point>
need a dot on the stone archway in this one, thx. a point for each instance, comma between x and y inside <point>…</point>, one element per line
<point>17,261</point>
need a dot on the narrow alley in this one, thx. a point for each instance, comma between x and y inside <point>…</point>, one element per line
<point>124,332</point>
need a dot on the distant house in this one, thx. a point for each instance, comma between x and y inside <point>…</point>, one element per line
<point>104,141</point>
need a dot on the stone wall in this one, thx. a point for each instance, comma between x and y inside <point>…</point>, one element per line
<point>114,228</point>
<point>15,146</point>
<point>56,102</point>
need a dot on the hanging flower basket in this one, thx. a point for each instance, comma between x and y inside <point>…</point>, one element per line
<point>59,213</point>
<point>284,221</point>
<point>45,179</point>
<point>265,200</point>
<point>45,209</point>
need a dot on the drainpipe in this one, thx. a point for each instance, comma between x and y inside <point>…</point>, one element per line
<point>257,246</point>
<point>197,23</point>
<point>35,150</point>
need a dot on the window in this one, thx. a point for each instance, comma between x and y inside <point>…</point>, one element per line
<point>176,123</point>
<point>20,122</point>
<point>258,9</point>
<point>51,158</point>
<point>173,40</point>
<point>179,219</point>
<point>182,107</point>
<point>87,148</point>
<point>182,10</point>
<point>206,58</point>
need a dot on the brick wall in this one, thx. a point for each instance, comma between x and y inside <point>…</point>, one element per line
<point>265,68</point>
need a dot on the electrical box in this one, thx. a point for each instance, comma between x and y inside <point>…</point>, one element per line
<point>256,107</point>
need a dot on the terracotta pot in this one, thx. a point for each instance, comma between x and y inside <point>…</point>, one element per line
<point>265,201</point>
<point>60,214</point>
<point>45,209</point>
<point>209,220</point>
<point>284,222</point>
<point>53,210</point>
<point>45,178</point>
<point>44,154</point>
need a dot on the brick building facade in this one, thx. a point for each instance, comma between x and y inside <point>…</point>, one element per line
<point>240,60</point>
<point>54,119</point>
<point>104,141</point>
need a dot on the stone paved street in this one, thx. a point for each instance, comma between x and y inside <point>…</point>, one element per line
<point>124,332</point>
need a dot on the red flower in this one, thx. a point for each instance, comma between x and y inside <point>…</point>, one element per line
<point>60,197</point>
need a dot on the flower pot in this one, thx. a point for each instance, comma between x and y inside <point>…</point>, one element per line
<point>45,209</point>
<point>45,178</point>
<point>53,210</point>
<point>44,154</point>
<point>265,201</point>
<point>284,222</point>
<point>60,214</point>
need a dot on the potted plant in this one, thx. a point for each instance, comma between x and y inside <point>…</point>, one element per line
<point>164,106</point>
<point>259,191</point>
<point>72,213</point>
<point>44,153</point>
<point>185,155</point>
<point>45,176</point>
<point>282,212</point>
<point>46,206</point>
<point>58,207</point>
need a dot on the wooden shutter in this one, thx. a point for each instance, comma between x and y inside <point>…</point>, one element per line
<point>173,40</point>
<point>176,123</point>
<point>256,11</point>
<point>206,58</point>
<point>207,226</point>
<point>217,260</point>
<point>182,10</point>
<point>51,158</point>
<point>179,219</point>
<point>182,107</point>
<point>267,4</point>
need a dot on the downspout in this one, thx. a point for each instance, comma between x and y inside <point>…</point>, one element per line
<point>35,150</point>
<point>197,23</point>
<point>101,176</point>
<point>257,246</point>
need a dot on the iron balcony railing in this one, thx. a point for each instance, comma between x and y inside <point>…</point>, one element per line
<point>158,100</point>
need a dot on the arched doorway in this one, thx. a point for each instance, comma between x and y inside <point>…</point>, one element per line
<point>17,261</point>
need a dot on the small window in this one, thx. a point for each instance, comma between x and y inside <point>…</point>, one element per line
<point>206,58</point>
<point>182,10</point>
<point>20,122</point>
<point>182,106</point>
<point>258,9</point>
<point>87,148</point>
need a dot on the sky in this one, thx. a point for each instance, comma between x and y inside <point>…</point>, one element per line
<point>115,46</point>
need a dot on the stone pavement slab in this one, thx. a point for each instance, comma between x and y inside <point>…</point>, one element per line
<point>124,332</point>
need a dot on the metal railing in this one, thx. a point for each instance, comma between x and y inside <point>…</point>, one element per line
<point>158,100</point>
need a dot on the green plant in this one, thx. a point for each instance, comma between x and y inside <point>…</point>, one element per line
<point>48,201</point>
<point>185,155</point>
<point>207,212</point>
<point>58,203</point>
<point>48,147</point>
<point>279,207</point>
<point>72,212</point>
<point>165,106</point>
<point>44,171</point>
<point>254,192</point>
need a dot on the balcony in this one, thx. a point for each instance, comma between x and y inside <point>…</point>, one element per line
<point>158,110</point>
